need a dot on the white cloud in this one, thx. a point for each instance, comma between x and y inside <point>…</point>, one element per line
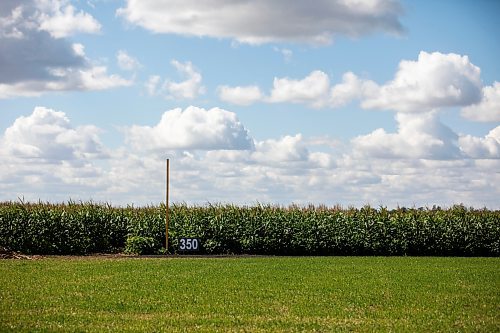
<point>312,90</point>
<point>435,80</point>
<point>418,136</point>
<point>79,49</point>
<point>35,54</point>
<point>420,88</point>
<point>47,136</point>
<point>487,147</point>
<point>57,17</point>
<point>189,88</point>
<point>286,150</point>
<point>34,61</point>
<point>61,19</point>
<point>423,136</point>
<point>262,21</point>
<point>93,78</point>
<point>350,89</point>
<point>126,62</point>
<point>286,53</point>
<point>240,95</point>
<point>488,109</point>
<point>9,24</point>
<point>151,84</point>
<point>45,157</point>
<point>432,82</point>
<point>192,128</point>
<point>96,78</point>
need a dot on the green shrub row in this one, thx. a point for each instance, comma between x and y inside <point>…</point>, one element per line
<point>83,228</point>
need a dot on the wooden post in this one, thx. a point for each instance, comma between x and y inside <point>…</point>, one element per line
<point>166,212</point>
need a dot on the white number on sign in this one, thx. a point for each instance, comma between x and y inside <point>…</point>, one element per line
<point>189,244</point>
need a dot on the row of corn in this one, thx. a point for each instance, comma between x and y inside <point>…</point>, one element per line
<point>84,228</point>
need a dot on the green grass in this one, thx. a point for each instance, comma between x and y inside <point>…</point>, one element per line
<point>251,294</point>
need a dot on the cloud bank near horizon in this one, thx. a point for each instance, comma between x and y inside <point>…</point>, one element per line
<point>424,163</point>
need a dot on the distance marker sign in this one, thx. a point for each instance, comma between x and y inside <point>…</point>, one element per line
<point>187,244</point>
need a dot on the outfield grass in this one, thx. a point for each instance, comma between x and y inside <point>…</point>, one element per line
<point>414,294</point>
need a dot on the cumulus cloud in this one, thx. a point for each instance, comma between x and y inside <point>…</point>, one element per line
<point>57,17</point>
<point>488,109</point>
<point>482,148</point>
<point>47,136</point>
<point>127,62</point>
<point>420,88</point>
<point>285,150</point>
<point>312,90</point>
<point>424,136</point>
<point>190,88</point>
<point>94,78</point>
<point>35,59</point>
<point>262,21</point>
<point>351,88</point>
<point>418,136</point>
<point>435,80</point>
<point>192,128</point>
<point>240,95</point>
<point>45,157</point>
<point>61,19</point>
<point>65,79</point>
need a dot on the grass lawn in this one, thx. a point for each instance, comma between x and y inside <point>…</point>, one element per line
<point>251,294</point>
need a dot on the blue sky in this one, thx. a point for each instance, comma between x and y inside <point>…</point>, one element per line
<point>329,102</point>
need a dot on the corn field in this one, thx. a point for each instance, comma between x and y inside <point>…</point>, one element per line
<point>86,228</point>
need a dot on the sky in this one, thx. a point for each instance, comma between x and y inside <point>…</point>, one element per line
<point>349,102</point>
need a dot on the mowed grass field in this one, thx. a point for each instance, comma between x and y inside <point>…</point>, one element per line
<point>250,294</point>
